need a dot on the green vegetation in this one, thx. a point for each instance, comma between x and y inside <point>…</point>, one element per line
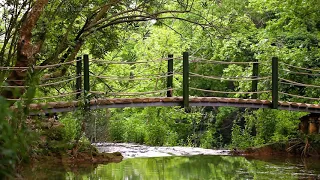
<point>15,139</point>
<point>143,30</point>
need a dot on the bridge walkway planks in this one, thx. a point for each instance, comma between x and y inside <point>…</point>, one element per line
<point>51,107</point>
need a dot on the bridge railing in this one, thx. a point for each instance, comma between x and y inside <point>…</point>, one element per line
<point>215,80</point>
<point>291,87</point>
<point>52,88</point>
<point>103,82</point>
<point>283,80</point>
<point>169,76</point>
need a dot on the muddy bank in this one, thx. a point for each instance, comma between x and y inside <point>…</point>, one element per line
<point>53,145</point>
<point>129,150</point>
<point>285,149</point>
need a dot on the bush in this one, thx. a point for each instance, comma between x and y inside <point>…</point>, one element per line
<point>268,126</point>
<point>117,130</point>
<point>156,133</point>
<point>72,125</point>
<point>15,139</point>
<point>135,130</point>
<point>241,138</point>
<point>154,126</point>
<point>207,140</point>
<point>171,138</point>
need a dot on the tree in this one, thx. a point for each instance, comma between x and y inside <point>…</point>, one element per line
<point>45,32</point>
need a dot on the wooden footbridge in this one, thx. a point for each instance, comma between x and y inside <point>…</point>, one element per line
<point>272,96</point>
<point>52,107</point>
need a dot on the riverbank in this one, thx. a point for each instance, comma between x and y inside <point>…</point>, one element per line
<point>294,148</point>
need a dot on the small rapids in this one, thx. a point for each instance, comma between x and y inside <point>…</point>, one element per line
<point>129,150</point>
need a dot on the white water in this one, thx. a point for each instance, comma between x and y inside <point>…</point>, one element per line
<point>129,150</point>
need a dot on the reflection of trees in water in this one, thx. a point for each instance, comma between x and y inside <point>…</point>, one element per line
<point>51,170</point>
<point>193,167</point>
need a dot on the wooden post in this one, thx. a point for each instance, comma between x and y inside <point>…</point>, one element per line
<point>185,80</point>
<point>275,80</point>
<point>79,78</point>
<point>255,73</point>
<point>170,76</point>
<point>86,80</point>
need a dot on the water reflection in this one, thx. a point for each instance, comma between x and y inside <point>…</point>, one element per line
<point>193,168</point>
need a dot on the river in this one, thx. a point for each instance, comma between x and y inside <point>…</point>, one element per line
<point>166,163</point>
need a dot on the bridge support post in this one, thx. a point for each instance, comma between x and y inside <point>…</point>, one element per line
<point>186,80</point>
<point>275,80</point>
<point>170,76</point>
<point>79,78</point>
<point>86,80</point>
<point>255,73</point>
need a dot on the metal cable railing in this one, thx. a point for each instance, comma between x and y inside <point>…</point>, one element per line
<point>300,73</point>
<point>48,97</point>
<point>133,62</point>
<point>37,67</point>
<point>292,83</point>
<point>229,78</point>
<point>131,93</point>
<point>160,79</point>
<point>302,68</point>
<point>229,92</point>
<point>126,78</point>
<point>53,81</point>
<point>202,60</point>
<point>43,85</point>
<point>298,96</point>
<point>289,82</point>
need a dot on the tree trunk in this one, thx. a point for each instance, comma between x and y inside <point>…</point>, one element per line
<point>25,52</point>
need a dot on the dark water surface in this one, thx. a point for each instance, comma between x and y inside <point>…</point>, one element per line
<point>183,167</point>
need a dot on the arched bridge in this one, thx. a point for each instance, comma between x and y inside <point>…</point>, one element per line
<point>178,85</point>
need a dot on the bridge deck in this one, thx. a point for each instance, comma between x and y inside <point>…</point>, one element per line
<point>168,101</point>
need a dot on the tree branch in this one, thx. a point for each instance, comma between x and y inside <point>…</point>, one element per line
<point>146,18</point>
<point>135,18</point>
<point>103,10</point>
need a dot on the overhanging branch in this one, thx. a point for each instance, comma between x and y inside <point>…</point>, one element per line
<point>147,18</point>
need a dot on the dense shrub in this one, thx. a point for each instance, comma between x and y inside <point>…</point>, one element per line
<point>15,140</point>
<point>265,126</point>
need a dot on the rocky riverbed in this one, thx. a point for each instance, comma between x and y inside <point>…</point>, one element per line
<point>129,150</point>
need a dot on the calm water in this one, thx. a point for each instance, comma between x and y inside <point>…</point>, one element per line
<point>175,168</point>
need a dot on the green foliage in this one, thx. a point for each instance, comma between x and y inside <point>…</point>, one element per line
<point>207,140</point>
<point>135,131</point>
<point>223,114</point>
<point>156,133</point>
<point>241,138</point>
<point>71,126</point>
<point>153,126</point>
<point>15,139</point>
<point>265,126</point>
<point>8,150</point>
<point>117,130</point>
